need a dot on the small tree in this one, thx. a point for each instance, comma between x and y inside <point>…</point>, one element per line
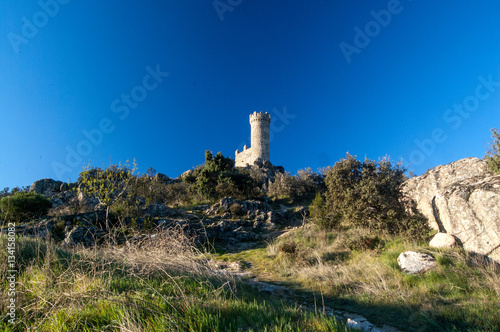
<point>212,173</point>
<point>106,185</point>
<point>493,154</point>
<point>321,216</point>
<point>24,206</point>
<point>366,193</point>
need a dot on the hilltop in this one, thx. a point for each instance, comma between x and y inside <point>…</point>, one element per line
<point>328,242</point>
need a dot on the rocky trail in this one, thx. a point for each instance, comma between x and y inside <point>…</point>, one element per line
<point>243,271</point>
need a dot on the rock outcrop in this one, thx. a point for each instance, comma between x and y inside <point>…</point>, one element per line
<point>423,189</point>
<point>251,208</point>
<point>158,210</point>
<point>463,200</point>
<point>470,210</point>
<point>46,187</point>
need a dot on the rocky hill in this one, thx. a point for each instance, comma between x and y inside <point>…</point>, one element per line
<point>461,199</point>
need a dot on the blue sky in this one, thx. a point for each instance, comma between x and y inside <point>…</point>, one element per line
<point>163,81</point>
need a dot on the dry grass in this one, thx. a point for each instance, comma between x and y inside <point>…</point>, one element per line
<point>160,283</point>
<point>68,280</point>
<point>361,267</point>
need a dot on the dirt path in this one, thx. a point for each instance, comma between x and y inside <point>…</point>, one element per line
<point>242,270</point>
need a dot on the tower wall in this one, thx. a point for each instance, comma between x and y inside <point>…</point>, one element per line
<point>259,126</point>
<point>260,141</point>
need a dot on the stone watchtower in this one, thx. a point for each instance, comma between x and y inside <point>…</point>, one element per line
<point>259,146</point>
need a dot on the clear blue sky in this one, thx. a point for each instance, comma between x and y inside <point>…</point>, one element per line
<point>163,81</point>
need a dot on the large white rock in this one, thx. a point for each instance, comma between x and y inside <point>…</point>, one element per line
<point>461,199</point>
<point>423,189</point>
<point>412,262</point>
<point>443,240</point>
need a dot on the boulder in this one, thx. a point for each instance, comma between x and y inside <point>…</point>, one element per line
<point>443,240</point>
<point>470,210</point>
<point>461,199</point>
<point>412,262</point>
<point>187,174</point>
<point>41,228</point>
<point>46,187</point>
<point>222,206</point>
<point>161,177</point>
<point>360,323</point>
<point>254,207</point>
<point>423,189</point>
<point>87,201</point>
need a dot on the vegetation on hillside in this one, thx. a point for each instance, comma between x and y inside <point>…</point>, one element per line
<point>344,255</point>
<point>493,154</point>
<point>22,206</point>
<point>356,270</point>
<point>157,285</point>
<point>366,194</point>
<point>106,185</point>
<point>218,178</point>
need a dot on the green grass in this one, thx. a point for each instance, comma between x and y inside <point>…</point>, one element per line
<point>462,293</point>
<point>166,284</point>
<point>157,286</point>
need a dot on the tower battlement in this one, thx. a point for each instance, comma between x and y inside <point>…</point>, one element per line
<point>260,141</point>
<point>261,116</point>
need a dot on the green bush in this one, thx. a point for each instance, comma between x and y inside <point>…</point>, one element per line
<point>305,184</point>
<point>493,155</point>
<point>325,219</point>
<point>219,178</point>
<point>23,206</point>
<point>366,194</point>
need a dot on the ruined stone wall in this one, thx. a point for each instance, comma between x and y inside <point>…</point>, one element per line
<point>244,157</point>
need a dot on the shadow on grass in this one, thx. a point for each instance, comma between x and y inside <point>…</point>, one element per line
<point>436,313</point>
<point>405,317</point>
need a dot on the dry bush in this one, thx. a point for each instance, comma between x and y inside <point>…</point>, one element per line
<point>166,251</point>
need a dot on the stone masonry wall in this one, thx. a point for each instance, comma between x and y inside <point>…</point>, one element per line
<point>260,141</point>
<point>244,157</point>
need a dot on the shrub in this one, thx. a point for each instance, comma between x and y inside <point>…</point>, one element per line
<point>366,194</point>
<point>493,154</point>
<point>107,185</point>
<point>305,184</point>
<point>23,206</point>
<point>57,232</point>
<point>321,216</point>
<point>289,248</point>
<point>236,209</point>
<point>218,178</point>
